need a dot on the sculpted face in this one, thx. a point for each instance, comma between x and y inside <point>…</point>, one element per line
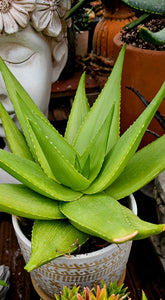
<point>28,55</point>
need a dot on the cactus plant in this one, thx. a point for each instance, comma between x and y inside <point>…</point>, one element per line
<point>149,8</point>
<point>71,184</point>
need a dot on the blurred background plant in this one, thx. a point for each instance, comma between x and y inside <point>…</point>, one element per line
<point>84,13</point>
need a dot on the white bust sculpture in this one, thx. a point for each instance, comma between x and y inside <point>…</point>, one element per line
<point>33,44</point>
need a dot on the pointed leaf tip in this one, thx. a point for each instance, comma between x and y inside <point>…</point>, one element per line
<point>109,96</point>
<point>79,111</point>
<point>126,237</point>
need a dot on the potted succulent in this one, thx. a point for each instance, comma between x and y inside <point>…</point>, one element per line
<point>106,292</point>
<point>71,185</point>
<point>143,59</point>
<point>111,292</point>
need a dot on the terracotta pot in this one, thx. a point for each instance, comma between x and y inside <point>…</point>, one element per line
<point>144,71</point>
<point>115,16</point>
<point>82,43</point>
<point>88,269</point>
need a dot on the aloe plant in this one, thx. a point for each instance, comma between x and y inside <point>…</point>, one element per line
<point>149,8</point>
<point>71,184</point>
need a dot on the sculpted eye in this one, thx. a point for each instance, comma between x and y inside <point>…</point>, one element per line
<point>15,54</point>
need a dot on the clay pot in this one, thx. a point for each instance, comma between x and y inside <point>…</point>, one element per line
<point>82,43</point>
<point>88,269</point>
<point>144,71</point>
<point>115,16</point>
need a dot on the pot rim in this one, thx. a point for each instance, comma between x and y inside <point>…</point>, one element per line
<point>133,207</point>
<point>117,41</point>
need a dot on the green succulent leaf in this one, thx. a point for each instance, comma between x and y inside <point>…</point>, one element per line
<point>79,111</point>
<point>51,239</point>
<point>48,130</point>
<point>143,167</point>
<point>150,6</point>
<point>25,109</point>
<point>61,168</point>
<point>53,152</point>
<point>77,165</point>
<point>85,170</point>
<point>97,148</point>
<point>31,174</point>
<point>144,296</point>
<point>115,289</point>
<point>117,159</point>
<point>41,158</point>
<point>136,22</point>
<point>22,201</point>
<point>109,96</point>
<point>15,138</point>
<point>14,89</point>
<point>155,38</point>
<point>108,219</point>
<point>67,293</point>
